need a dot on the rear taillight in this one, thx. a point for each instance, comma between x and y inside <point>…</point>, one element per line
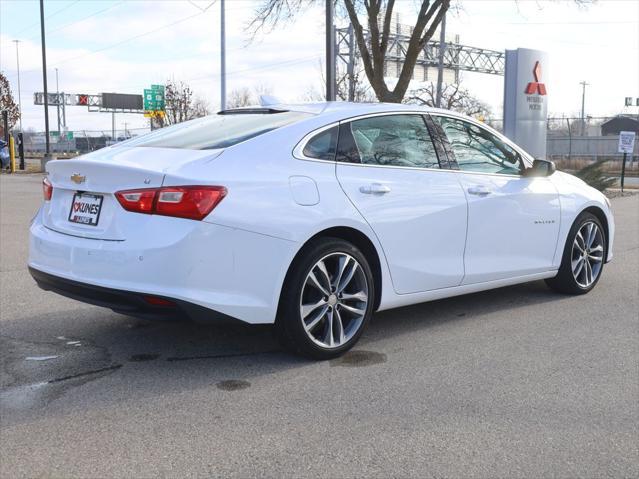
<point>140,201</point>
<point>47,189</point>
<point>192,202</point>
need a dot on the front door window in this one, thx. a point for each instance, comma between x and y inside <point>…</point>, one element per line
<point>477,150</point>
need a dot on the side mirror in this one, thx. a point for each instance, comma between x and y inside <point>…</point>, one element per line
<point>541,168</point>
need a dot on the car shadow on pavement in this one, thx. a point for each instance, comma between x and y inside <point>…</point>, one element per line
<point>466,307</point>
<point>158,358</point>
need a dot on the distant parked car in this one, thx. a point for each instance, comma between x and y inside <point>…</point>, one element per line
<point>5,159</point>
<point>312,217</point>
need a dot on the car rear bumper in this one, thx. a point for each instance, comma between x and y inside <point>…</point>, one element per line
<point>127,302</point>
<point>223,270</point>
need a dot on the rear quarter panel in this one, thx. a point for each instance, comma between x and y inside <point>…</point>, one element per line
<point>260,200</point>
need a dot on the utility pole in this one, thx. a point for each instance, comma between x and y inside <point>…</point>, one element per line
<point>351,64</point>
<point>583,104</point>
<point>19,93</point>
<point>440,66</point>
<point>222,57</point>
<point>330,52</point>
<point>47,154</point>
<point>57,94</point>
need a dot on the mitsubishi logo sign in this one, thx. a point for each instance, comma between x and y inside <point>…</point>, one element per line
<point>526,99</point>
<point>536,86</point>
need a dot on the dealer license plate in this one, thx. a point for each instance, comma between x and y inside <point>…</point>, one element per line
<point>85,209</point>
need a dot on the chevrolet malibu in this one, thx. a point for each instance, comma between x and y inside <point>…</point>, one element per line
<point>312,217</point>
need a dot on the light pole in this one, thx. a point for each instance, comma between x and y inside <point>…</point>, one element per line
<point>330,52</point>
<point>47,154</point>
<point>222,56</point>
<point>19,92</point>
<point>583,104</point>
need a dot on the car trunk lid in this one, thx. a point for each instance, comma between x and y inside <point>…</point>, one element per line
<point>84,203</point>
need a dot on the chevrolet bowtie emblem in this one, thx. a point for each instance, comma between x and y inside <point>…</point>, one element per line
<point>78,178</point>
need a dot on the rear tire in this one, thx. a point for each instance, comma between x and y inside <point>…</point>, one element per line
<point>327,300</point>
<point>583,257</point>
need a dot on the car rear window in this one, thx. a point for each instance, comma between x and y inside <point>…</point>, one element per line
<point>217,131</point>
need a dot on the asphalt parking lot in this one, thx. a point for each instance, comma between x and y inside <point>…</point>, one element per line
<point>515,382</point>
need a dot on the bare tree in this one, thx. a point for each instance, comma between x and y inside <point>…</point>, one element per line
<point>247,96</point>
<point>200,107</point>
<point>372,34</point>
<point>373,46</point>
<point>180,105</point>
<point>362,91</point>
<point>454,97</point>
<point>7,102</point>
<point>240,97</point>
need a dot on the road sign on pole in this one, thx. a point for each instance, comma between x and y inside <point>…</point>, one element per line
<point>154,98</point>
<point>626,141</point>
<point>626,145</point>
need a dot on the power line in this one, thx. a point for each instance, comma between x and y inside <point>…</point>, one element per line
<point>62,27</point>
<point>135,37</point>
<point>270,66</point>
<point>48,16</point>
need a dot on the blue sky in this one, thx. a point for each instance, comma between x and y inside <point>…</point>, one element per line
<point>126,45</point>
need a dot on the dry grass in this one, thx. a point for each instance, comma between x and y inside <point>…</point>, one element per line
<point>613,166</point>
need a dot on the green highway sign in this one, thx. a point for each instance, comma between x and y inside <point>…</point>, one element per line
<point>154,98</point>
<point>56,134</point>
<point>149,103</point>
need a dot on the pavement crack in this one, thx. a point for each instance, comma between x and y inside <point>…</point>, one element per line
<point>222,356</point>
<point>85,373</point>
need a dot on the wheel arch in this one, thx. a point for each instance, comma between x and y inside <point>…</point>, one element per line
<point>357,238</point>
<point>601,216</point>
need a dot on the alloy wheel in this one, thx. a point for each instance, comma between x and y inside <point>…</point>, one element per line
<point>587,254</point>
<point>334,300</point>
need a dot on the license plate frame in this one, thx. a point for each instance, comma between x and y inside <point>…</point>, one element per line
<point>92,219</point>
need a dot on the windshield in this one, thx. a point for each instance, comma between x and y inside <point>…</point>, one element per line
<point>216,131</point>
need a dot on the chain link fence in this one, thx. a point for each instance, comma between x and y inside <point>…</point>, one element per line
<point>76,142</point>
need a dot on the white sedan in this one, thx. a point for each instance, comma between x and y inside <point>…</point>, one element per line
<point>312,217</point>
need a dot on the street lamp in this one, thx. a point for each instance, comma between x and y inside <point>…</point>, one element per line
<point>330,52</point>
<point>19,91</point>
<point>583,109</point>
<point>47,154</point>
<point>222,56</point>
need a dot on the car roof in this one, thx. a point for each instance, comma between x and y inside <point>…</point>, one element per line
<point>343,109</point>
<point>350,108</point>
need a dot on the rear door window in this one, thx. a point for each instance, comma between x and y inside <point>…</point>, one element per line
<point>390,140</point>
<point>217,131</point>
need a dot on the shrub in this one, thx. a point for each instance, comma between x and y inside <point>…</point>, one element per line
<point>595,176</point>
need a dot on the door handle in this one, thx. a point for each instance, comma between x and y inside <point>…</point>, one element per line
<point>479,190</point>
<point>374,189</point>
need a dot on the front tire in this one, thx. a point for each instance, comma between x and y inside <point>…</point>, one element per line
<point>327,300</point>
<point>583,257</point>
